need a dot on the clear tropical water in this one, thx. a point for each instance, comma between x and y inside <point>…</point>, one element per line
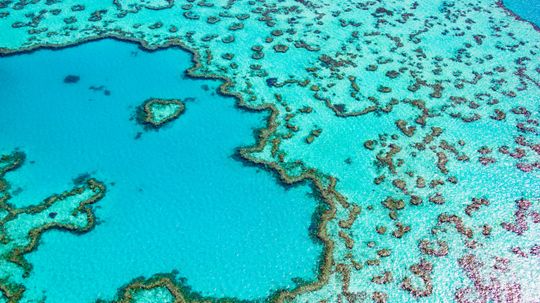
<point>528,10</point>
<point>176,198</point>
<point>418,121</point>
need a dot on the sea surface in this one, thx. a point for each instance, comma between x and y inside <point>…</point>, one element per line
<point>418,120</point>
<point>528,10</point>
<point>176,198</point>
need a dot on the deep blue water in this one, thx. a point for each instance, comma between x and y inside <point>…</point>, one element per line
<point>526,9</point>
<point>179,200</point>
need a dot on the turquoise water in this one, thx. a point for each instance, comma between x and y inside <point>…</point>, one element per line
<point>176,198</point>
<point>528,10</point>
<point>462,74</point>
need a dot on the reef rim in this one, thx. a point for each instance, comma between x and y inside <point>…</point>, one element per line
<point>323,185</point>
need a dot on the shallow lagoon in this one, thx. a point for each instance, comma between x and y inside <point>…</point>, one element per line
<point>176,198</point>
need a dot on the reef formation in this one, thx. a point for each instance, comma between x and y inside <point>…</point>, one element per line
<point>417,121</point>
<point>21,228</point>
<point>157,112</point>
